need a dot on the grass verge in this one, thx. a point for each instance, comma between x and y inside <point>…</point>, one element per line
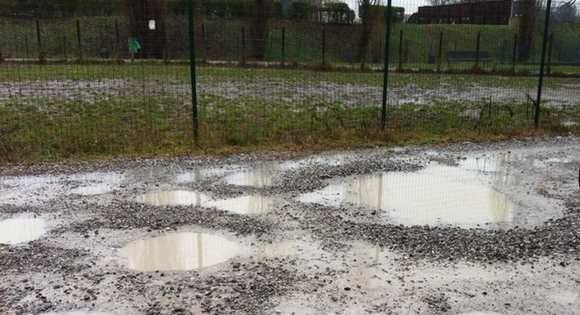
<point>124,126</point>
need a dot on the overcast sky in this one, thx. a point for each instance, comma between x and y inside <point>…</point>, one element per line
<point>412,5</point>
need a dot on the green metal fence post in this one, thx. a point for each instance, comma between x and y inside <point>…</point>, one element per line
<point>39,42</point>
<point>117,41</point>
<point>323,44</point>
<point>542,64</point>
<point>64,46</point>
<point>550,48</point>
<point>283,46</point>
<point>26,47</point>
<point>440,52</point>
<point>204,41</point>
<point>515,54</point>
<point>192,65</point>
<point>401,36</point>
<point>2,44</point>
<point>388,15</point>
<point>79,40</point>
<point>477,50</point>
<point>243,59</point>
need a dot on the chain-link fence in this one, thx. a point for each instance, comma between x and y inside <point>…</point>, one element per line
<point>117,79</point>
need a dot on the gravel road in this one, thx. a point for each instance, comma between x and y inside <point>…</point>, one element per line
<point>460,228</point>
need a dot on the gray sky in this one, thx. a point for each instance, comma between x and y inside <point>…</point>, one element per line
<point>412,5</point>
<point>409,5</point>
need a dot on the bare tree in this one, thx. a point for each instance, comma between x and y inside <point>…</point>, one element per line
<point>259,28</point>
<point>565,12</point>
<point>367,23</point>
<point>528,11</point>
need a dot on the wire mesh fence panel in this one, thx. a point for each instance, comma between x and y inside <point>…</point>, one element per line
<point>114,81</point>
<point>560,100</point>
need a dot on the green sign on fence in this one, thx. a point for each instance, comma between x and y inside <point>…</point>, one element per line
<point>134,45</point>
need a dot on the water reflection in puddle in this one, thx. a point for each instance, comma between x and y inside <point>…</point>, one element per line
<point>98,189</point>
<point>179,252</point>
<point>174,198</point>
<point>255,204</point>
<point>436,195</point>
<point>21,229</point>
<point>258,177</point>
<point>200,174</point>
<point>263,174</point>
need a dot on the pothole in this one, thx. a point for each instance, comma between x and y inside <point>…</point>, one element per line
<point>179,252</point>
<point>263,174</point>
<point>21,229</point>
<point>174,198</point>
<point>98,189</point>
<point>254,204</point>
<point>77,313</point>
<point>259,177</point>
<point>201,174</point>
<point>437,195</point>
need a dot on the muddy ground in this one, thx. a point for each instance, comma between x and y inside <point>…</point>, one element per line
<point>279,91</point>
<point>492,227</point>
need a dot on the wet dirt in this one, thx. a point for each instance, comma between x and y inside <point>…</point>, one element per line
<point>419,230</point>
<point>279,91</point>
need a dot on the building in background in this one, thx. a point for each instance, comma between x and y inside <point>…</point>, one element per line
<point>495,12</point>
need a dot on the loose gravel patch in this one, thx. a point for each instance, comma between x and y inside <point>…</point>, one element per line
<point>301,257</point>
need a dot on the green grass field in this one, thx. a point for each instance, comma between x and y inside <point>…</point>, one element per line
<point>83,111</point>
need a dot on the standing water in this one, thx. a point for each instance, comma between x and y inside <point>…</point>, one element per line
<point>21,229</point>
<point>463,195</point>
<point>179,252</point>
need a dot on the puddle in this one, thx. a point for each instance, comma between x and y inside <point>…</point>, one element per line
<point>21,229</point>
<point>261,176</point>
<point>179,252</point>
<point>437,195</point>
<point>565,297</point>
<point>255,204</point>
<point>200,174</point>
<point>37,190</point>
<point>174,198</point>
<point>99,189</point>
